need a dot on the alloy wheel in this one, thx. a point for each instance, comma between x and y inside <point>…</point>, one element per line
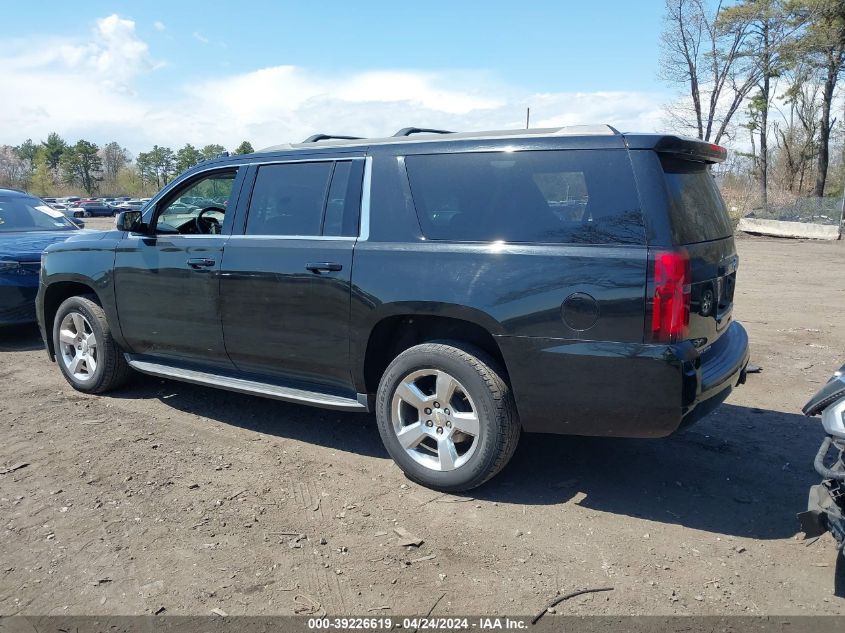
<point>78,346</point>
<point>435,419</point>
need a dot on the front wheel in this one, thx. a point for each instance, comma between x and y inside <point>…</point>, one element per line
<point>86,353</point>
<point>447,416</point>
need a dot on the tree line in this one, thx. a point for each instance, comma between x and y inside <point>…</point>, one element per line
<point>760,75</point>
<point>55,166</point>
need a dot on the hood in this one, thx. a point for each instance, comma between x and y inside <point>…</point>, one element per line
<point>27,246</point>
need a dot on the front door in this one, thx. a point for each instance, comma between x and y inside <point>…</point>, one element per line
<point>285,282</point>
<point>167,281</point>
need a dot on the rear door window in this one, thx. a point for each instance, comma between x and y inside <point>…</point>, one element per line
<point>289,199</point>
<point>561,196</point>
<point>698,213</point>
<point>306,199</point>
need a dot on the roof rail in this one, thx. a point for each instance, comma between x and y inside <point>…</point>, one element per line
<point>324,137</point>
<point>407,131</point>
<point>588,130</point>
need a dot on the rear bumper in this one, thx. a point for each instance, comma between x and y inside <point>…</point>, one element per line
<point>620,389</point>
<point>712,376</point>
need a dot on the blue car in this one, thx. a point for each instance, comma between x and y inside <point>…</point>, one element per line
<point>27,226</point>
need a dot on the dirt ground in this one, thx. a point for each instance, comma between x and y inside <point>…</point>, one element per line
<point>182,498</point>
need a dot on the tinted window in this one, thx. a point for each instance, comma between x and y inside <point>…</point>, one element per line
<point>344,201</point>
<point>289,199</point>
<point>698,211</point>
<point>575,196</point>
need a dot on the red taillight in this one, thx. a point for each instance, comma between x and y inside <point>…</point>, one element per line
<point>719,150</point>
<point>670,312</point>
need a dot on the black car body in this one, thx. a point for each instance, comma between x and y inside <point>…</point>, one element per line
<point>596,269</point>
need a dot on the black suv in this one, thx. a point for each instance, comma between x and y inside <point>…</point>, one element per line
<point>464,287</point>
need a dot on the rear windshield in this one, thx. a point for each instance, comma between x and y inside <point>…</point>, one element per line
<point>567,196</point>
<point>698,211</point>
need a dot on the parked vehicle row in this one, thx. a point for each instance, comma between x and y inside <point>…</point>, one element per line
<point>95,207</point>
<point>464,287</point>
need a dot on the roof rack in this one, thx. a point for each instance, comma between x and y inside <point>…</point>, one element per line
<point>407,131</point>
<point>600,129</point>
<point>403,136</point>
<point>325,137</point>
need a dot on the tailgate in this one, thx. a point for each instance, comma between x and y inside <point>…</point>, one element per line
<point>701,227</point>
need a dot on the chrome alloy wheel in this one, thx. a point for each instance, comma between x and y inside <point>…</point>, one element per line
<point>435,420</point>
<point>78,346</point>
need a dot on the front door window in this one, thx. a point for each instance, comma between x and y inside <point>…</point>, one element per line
<point>199,207</point>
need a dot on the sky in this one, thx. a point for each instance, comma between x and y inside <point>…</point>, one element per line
<point>168,73</point>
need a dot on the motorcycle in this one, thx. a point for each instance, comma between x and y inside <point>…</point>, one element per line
<point>826,504</point>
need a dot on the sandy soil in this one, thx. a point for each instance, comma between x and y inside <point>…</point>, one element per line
<point>176,497</point>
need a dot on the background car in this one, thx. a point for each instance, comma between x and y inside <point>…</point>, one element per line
<point>27,226</point>
<point>74,215</point>
<point>130,205</point>
<point>91,208</point>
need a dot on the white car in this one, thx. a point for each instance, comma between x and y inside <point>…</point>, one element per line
<point>69,212</point>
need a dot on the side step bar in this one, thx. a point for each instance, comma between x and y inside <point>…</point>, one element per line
<point>251,387</point>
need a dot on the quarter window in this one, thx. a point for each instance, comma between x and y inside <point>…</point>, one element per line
<point>574,196</point>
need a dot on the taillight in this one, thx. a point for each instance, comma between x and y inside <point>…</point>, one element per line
<point>670,311</point>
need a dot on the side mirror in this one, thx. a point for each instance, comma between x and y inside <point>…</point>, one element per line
<point>129,221</point>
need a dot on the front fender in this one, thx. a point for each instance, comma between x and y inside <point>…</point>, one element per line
<point>65,267</point>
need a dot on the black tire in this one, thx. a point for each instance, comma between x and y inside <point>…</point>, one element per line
<point>481,378</point>
<point>111,370</point>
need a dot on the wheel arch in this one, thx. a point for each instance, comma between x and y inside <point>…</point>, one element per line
<point>54,295</point>
<point>399,330</point>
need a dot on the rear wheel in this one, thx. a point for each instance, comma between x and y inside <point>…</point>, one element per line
<point>447,416</point>
<point>86,353</point>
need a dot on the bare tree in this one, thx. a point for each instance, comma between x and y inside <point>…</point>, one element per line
<point>768,43</point>
<point>822,42</point>
<point>114,159</point>
<point>797,136</point>
<point>705,57</point>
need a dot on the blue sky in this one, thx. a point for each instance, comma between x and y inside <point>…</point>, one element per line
<point>169,72</point>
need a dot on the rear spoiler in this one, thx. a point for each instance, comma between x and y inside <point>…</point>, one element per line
<point>679,146</point>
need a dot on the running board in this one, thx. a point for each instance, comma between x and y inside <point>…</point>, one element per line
<point>251,387</point>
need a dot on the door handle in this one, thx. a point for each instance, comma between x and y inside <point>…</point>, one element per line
<point>201,262</point>
<point>324,267</point>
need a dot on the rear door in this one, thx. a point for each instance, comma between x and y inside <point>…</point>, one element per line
<point>700,226</point>
<point>285,280</point>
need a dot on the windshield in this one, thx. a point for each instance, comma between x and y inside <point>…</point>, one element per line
<point>22,213</point>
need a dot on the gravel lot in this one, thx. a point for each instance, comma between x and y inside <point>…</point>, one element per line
<point>177,497</point>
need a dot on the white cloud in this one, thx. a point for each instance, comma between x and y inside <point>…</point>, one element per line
<point>84,90</point>
<point>116,54</point>
<point>200,37</point>
<point>159,26</point>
